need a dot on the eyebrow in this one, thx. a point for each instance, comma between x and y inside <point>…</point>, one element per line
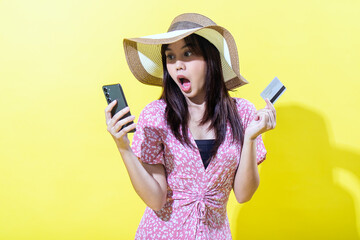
<point>185,46</point>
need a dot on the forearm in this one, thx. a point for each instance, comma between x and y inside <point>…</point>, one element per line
<point>146,186</point>
<point>149,181</point>
<point>247,176</point>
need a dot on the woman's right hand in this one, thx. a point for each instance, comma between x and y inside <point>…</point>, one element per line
<point>114,124</point>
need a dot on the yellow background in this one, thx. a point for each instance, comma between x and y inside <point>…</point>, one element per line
<point>61,176</point>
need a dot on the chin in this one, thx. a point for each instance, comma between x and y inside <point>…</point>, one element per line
<point>196,98</point>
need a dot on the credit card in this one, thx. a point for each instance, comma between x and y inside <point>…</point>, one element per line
<point>273,91</point>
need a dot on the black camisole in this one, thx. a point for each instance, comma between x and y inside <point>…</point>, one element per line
<point>205,147</point>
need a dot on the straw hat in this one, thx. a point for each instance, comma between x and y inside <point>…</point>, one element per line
<point>143,54</point>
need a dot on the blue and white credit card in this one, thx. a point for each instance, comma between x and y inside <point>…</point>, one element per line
<point>273,91</point>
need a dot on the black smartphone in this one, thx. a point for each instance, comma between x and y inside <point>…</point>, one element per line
<point>114,92</point>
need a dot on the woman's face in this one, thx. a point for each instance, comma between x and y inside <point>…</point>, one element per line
<point>187,69</point>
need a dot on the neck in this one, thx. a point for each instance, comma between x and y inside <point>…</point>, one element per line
<point>196,100</point>
<point>196,110</point>
<point>196,103</point>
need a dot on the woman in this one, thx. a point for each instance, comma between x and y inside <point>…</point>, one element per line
<point>196,143</point>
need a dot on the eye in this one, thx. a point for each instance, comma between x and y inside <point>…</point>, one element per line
<point>187,53</point>
<point>170,57</point>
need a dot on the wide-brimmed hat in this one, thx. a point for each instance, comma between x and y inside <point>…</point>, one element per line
<point>143,54</point>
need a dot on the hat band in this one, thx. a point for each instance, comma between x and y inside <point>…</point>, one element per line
<point>183,25</point>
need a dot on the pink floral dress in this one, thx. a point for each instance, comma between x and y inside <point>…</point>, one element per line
<point>197,197</point>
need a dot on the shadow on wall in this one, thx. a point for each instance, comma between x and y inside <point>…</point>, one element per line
<point>309,189</point>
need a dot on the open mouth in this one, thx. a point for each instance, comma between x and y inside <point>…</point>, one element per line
<point>185,83</point>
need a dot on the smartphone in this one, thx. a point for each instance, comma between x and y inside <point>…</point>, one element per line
<point>114,92</point>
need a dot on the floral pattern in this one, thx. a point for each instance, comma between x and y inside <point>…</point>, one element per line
<point>197,197</point>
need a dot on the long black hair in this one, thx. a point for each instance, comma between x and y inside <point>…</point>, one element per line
<point>220,107</point>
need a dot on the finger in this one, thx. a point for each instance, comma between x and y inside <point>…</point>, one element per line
<point>123,122</point>
<point>264,120</point>
<point>270,106</point>
<point>272,113</point>
<point>256,116</point>
<point>125,130</point>
<point>118,116</point>
<point>108,110</point>
<point>267,121</point>
<point>263,111</point>
<point>272,121</point>
<point>270,117</point>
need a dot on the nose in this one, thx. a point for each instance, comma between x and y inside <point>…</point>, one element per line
<point>180,65</point>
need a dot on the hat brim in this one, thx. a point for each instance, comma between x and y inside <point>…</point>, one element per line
<point>143,54</point>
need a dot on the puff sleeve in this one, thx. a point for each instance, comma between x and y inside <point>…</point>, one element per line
<point>147,143</point>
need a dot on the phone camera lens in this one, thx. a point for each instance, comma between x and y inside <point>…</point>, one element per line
<point>107,95</point>
<point>105,89</point>
<point>109,100</point>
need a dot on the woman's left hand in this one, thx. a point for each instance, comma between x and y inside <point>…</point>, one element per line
<point>264,120</point>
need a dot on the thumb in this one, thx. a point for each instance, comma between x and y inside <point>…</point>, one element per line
<point>268,103</point>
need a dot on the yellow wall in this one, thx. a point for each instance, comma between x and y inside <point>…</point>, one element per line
<point>61,176</point>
